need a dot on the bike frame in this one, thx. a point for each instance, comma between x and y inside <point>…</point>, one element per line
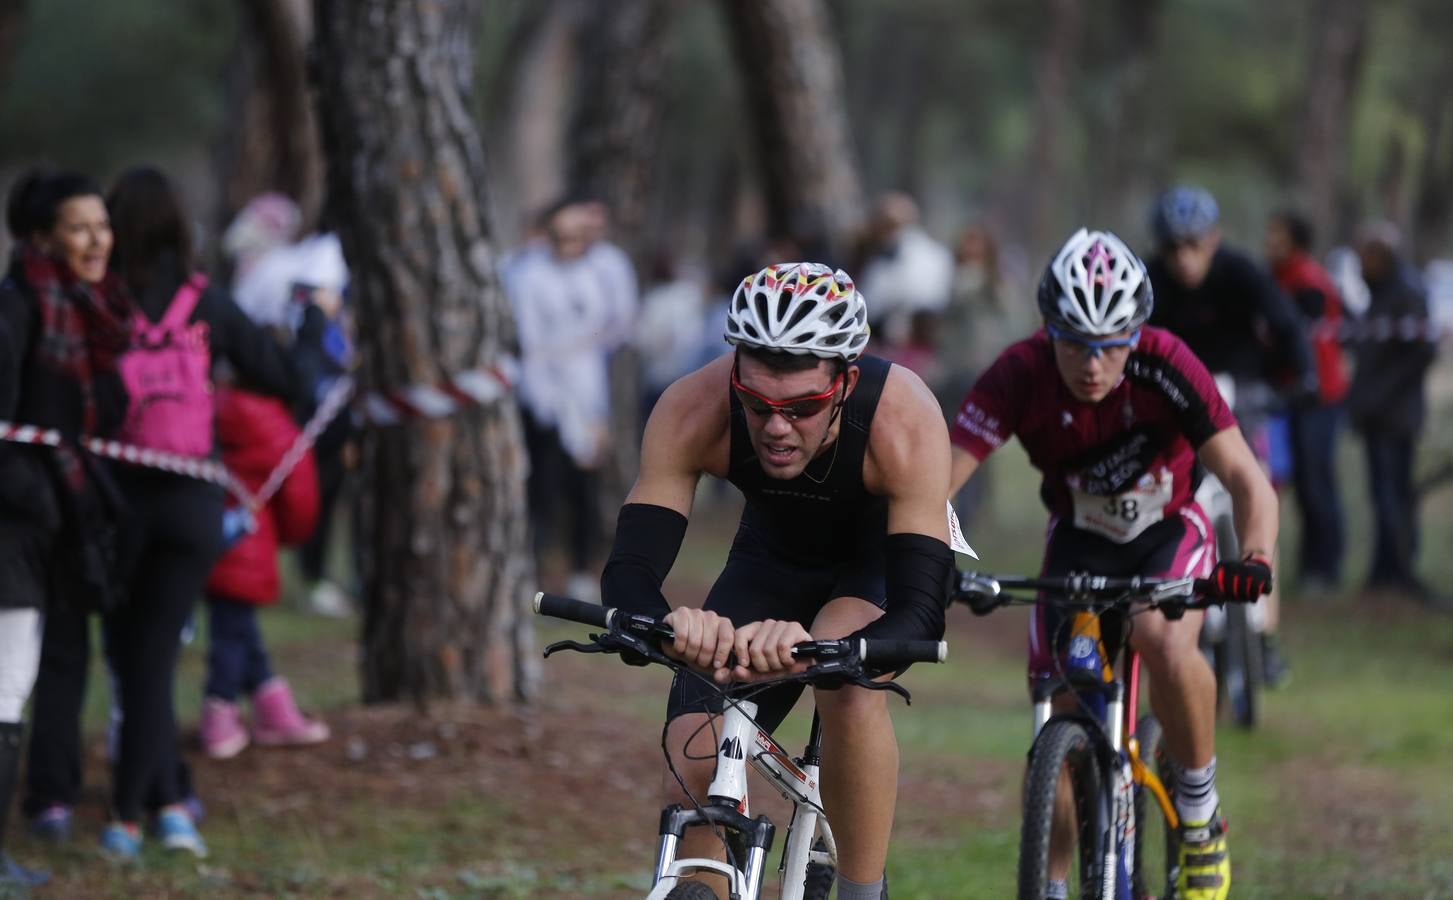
<point>1089,673</point>
<point>743,742</point>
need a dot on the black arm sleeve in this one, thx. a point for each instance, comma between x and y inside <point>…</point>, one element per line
<point>1287,332</point>
<point>919,571</point>
<point>648,537</point>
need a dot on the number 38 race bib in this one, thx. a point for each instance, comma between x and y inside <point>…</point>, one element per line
<point>1123,517</point>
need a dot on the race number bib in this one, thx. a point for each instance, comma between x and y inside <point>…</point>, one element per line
<point>956,534</point>
<point>1123,517</point>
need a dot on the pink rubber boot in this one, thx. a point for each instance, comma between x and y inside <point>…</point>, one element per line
<point>223,736</point>
<point>276,720</point>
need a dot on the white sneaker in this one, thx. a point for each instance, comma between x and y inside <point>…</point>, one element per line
<point>328,599</point>
<point>583,586</point>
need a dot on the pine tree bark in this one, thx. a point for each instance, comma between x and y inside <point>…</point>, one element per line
<point>270,138</point>
<point>443,526</point>
<point>616,127</point>
<point>1043,175</point>
<point>792,73</point>
<point>1332,77</point>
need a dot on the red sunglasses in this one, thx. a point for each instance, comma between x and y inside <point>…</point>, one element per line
<point>791,410</point>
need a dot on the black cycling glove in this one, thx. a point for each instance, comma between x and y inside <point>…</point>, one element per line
<point>1245,580</point>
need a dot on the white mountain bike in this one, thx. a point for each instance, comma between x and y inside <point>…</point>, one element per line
<point>809,859</point>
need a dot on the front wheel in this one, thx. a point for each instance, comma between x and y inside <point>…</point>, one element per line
<point>691,890</point>
<point>1064,770</point>
<point>1239,665</point>
<point>1157,845</point>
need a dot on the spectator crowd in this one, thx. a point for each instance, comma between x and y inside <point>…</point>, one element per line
<point>109,328</point>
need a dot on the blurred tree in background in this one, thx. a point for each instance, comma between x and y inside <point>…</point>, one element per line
<point>443,527</point>
<point>705,127</point>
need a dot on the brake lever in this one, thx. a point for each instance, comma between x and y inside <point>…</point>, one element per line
<point>577,646</point>
<point>891,686</point>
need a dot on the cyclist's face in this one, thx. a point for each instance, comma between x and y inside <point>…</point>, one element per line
<point>1088,371</point>
<point>790,414</point>
<point>1189,261</point>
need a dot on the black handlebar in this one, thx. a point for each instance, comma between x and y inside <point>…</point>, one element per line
<point>984,593</point>
<point>574,610</point>
<point>880,652</point>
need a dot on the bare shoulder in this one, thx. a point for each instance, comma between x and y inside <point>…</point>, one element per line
<point>691,422</point>
<point>909,438</point>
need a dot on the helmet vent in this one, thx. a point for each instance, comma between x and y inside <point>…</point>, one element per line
<point>799,314</point>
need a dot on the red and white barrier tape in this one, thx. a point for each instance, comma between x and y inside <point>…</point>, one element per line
<point>475,387</point>
<point>208,470</point>
<point>333,403</point>
<point>1382,329</point>
<point>472,388</point>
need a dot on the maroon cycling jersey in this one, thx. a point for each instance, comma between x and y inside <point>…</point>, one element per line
<point>1115,467</point>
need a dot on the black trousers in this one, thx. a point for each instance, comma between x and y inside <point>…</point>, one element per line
<point>53,769</point>
<point>1395,509</point>
<point>332,479</point>
<point>176,539</point>
<point>560,488</point>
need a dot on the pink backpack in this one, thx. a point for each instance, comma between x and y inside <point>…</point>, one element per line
<point>167,372</point>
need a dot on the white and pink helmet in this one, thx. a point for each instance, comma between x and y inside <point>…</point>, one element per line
<point>799,308</point>
<point>1095,286</point>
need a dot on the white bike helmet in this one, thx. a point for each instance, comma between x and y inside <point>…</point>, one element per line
<point>799,308</point>
<point>1095,286</point>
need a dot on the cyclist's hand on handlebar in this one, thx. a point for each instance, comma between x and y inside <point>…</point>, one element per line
<point>1245,580</point>
<point>764,650</point>
<point>703,638</point>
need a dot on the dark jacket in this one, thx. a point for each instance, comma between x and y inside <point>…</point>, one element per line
<point>41,536</point>
<point>1237,321</point>
<point>1387,394</point>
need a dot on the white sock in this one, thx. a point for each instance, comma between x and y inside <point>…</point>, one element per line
<point>1057,890</point>
<point>1196,797</point>
<point>852,890</point>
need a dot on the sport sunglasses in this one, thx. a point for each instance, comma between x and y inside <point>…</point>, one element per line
<point>791,410</point>
<point>1092,347</point>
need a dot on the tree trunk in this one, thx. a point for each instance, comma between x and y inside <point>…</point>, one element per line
<point>1043,177</point>
<point>270,140</point>
<point>529,109</point>
<point>1332,77</point>
<point>615,131</point>
<point>12,24</point>
<point>792,75</point>
<point>1128,148</point>
<point>443,527</point>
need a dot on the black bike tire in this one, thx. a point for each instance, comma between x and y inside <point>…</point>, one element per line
<point>1061,743</point>
<point>819,881</point>
<point>1156,883</point>
<point>1242,667</point>
<point>691,890</point>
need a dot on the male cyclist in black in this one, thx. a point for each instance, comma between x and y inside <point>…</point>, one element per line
<point>1236,320</point>
<point>844,463</point>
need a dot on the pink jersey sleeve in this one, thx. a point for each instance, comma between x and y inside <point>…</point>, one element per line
<point>990,411</point>
<point>1184,380</point>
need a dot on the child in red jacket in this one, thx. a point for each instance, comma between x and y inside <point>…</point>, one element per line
<point>254,432</point>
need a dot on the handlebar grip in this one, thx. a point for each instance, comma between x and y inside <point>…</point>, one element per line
<point>891,652</point>
<point>574,610</point>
